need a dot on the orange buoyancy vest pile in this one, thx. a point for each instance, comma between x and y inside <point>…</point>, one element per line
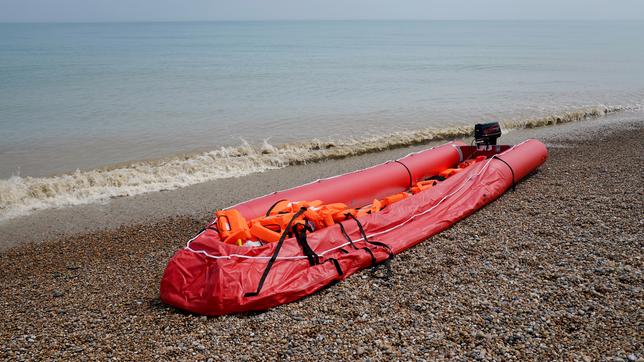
<point>235,229</point>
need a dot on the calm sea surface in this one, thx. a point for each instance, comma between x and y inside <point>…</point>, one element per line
<point>87,95</point>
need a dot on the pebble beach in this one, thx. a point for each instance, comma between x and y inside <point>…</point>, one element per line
<point>550,271</point>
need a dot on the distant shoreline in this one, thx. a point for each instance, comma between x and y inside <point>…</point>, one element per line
<point>532,20</point>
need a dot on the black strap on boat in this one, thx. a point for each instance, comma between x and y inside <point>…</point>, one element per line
<point>514,185</point>
<point>268,212</point>
<point>300,235</point>
<point>374,261</point>
<point>364,237</point>
<point>336,263</point>
<point>275,254</point>
<point>344,232</point>
<point>411,179</point>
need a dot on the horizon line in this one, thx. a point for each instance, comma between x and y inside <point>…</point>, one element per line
<point>296,20</point>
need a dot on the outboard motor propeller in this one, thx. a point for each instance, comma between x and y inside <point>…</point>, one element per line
<point>485,134</point>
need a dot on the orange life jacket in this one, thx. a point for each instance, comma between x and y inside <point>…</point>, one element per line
<point>461,166</point>
<point>270,228</point>
<point>372,208</point>
<point>342,215</point>
<point>297,205</point>
<point>468,163</point>
<point>327,214</point>
<point>263,233</point>
<point>423,185</point>
<point>394,198</point>
<point>232,226</point>
<point>281,207</point>
<point>450,172</point>
<point>286,206</point>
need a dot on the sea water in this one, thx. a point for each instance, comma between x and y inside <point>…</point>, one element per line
<point>242,97</point>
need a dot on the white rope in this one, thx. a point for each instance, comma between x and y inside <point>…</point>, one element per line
<point>205,253</point>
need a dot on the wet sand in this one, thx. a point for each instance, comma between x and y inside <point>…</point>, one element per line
<point>550,271</point>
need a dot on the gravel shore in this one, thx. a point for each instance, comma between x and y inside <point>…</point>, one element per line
<point>551,271</point>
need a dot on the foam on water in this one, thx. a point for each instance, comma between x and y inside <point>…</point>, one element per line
<point>23,195</point>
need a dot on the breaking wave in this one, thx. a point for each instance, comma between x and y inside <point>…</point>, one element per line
<point>21,195</point>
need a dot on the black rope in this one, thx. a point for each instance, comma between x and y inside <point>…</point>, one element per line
<point>268,213</point>
<point>411,179</point>
<point>275,254</point>
<point>514,185</point>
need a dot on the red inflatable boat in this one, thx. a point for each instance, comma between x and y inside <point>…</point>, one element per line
<point>242,262</point>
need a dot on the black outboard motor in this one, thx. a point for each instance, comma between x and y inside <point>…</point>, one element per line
<point>485,134</point>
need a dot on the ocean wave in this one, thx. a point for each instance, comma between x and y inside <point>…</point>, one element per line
<point>22,195</point>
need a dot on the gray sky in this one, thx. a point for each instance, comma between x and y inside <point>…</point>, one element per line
<point>190,10</point>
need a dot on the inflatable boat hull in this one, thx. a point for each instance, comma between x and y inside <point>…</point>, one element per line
<point>210,277</point>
